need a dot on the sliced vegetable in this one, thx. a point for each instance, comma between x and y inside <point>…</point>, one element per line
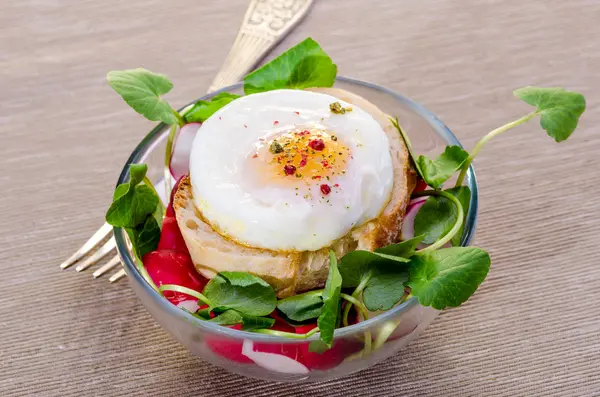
<point>173,267</point>
<point>180,158</point>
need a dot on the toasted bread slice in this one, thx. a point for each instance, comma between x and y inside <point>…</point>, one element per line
<point>293,272</point>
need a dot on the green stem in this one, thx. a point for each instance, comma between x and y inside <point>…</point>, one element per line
<point>363,310</point>
<point>386,331</point>
<point>361,286</point>
<point>179,117</point>
<point>168,155</point>
<point>184,290</point>
<point>459,219</point>
<point>479,145</point>
<point>287,334</point>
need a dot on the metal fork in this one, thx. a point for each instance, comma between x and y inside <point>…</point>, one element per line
<point>265,24</point>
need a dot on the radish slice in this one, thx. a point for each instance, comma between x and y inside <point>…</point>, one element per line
<point>408,225</point>
<point>189,305</point>
<point>180,160</point>
<point>272,361</point>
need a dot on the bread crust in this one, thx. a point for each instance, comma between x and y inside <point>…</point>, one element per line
<point>294,272</point>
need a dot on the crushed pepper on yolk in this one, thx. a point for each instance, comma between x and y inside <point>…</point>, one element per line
<point>308,155</point>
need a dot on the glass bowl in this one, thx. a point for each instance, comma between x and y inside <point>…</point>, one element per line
<point>289,360</point>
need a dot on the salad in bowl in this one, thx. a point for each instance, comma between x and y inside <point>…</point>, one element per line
<point>295,231</point>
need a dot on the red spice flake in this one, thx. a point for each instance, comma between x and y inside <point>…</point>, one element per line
<point>303,161</point>
<point>245,126</point>
<point>325,189</point>
<point>325,163</point>
<point>303,133</point>
<point>255,156</point>
<point>275,122</point>
<point>317,177</point>
<point>298,113</point>
<point>289,169</point>
<point>336,185</point>
<point>317,144</point>
<point>220,118</point>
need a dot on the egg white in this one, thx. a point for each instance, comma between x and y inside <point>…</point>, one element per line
<point>233,200</point>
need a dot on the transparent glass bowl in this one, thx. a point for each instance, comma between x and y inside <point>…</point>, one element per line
<point>225,347</point>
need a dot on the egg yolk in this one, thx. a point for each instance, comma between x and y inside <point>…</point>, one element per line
<point>305,156</point>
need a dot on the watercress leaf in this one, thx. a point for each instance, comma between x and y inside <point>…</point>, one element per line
<point>203,313</point>
<point>386,288</point>
<point>559,109</point>
<point>404,249</point>
<point>331,302</point>
<point>353,267</point>
<point>302,66</point>
<point>302,307</point>
<point>447,277</point>
<point>228,317</point>
<point>134,202</point>
<point>436,172</point>
<point>435,219</point>
<point>463,194</point>
<point>256,322</point>
<point>142,90</point>
<point>145,237</point>
<point>241,291</point>
<point>202,110</point>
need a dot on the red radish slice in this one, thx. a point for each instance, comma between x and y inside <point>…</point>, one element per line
<point>272,361</point>
<point>173,267</point>
<point>230,349</point>
<point>408,224</point>
<point>189,305</point>
<point>170,236</point>
<point>180,160</point>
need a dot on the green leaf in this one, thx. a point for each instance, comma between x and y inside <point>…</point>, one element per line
<point>355,266</point>
<point>145,237</point>
<point>447,277</point>
<point>438,215</point>
<point>331,302</point>
<point>463,194</point>
<point>436,172</point>
<point>203,314</point>
<point>241,291</point>
<point>142,90</point>
<point>559,109</point>
<point>133,202</point>
<point>404,249</point>
<point>302,307</point>
<point>231,317</point>
<point>202,110</point>
<point>386,288</point>
<point>302,66</point>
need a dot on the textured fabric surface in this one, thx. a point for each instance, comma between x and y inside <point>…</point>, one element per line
<point>532,329</point>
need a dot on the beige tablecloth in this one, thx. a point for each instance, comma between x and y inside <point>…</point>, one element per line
<point>532,329</point>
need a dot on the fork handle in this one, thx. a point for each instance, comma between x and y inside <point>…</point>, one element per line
<point>265,24</point>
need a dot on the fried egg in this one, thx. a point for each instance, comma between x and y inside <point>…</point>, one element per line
<point>290,170</point>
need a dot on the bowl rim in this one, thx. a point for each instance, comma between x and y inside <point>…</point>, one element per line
<point>153,138</point>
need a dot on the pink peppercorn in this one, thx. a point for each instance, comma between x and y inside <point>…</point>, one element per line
<point>289,169</point>
<point>325,189</point>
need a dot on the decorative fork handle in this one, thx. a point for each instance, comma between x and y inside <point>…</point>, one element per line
<point>265,24</point>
